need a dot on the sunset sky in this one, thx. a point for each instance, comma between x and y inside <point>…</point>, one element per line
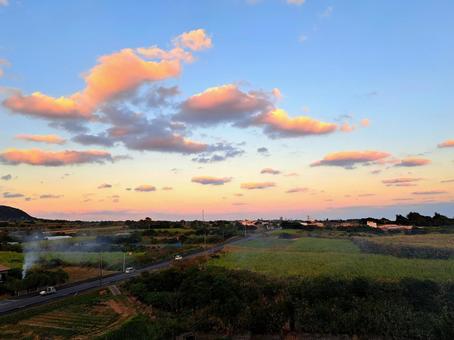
<point>243,108</point>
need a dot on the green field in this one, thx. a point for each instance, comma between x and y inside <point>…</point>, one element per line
<point>312,257</point>
<point>11,259</point>
<point>77,257</point>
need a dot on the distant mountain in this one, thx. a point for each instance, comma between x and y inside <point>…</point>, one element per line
<point>13,214</point>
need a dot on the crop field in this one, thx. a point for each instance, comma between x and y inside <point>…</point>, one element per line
<point>429,240</point>
<point>82,315</point>
<point>312,257</point>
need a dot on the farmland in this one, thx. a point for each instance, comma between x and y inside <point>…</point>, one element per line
<point>328,257</point>
<point>87,314</point>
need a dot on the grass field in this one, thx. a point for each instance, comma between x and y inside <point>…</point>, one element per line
<point>11,259</point>
<point>312,257</point>
<point>76,257</point>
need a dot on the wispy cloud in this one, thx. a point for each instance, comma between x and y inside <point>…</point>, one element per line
<point>257,185</point>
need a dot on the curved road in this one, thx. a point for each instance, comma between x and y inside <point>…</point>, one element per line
<point>8,306</point>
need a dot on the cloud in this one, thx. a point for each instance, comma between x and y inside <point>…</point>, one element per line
<point>108,80</point>
<point>219,104</point>
<point>208,180</point>
<point>433,192</point>
<point>347,127</point>
<point>12,195</point>
<point>291,174</point>
<point>138,132</point>
<point>195,40</point>
<point>328,12</point>
<point>278,124</point>
<point>365,122</point>
<point>218,152</point>
<point>50,196</point>
<point>447,144</point>
<point>447,181</point>
<point>257,185</point>
<point>295,190</point>
<point>296,2</point>
<point>105,186</point>
<point>167,188</point>
<point>412,162</point>
<point>263,151</point>
<point>270,171</point>
<point>348,159</point>
<point>6,177</point>
<point>402,181</point>
<point>145,188</point>
<point>50,158</point>
<point>87,139</point>
<point>3,62</point>
<point>49,139</point>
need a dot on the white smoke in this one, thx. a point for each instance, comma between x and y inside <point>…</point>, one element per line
<point>30,249</point>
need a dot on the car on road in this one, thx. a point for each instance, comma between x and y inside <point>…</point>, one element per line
<point>47,291</point>
<point>178,258</point>
<point>129,270</point>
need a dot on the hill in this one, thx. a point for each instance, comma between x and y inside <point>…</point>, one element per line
<point>13,214</point>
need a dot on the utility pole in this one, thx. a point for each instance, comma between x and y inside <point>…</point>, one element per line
<point>100,270</point>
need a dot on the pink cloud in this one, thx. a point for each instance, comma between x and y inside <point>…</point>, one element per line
<point>208,180</point>
<point>412,162</point>
<point>49,158</point>
<point>257,185</point>
<point>49,139</point>
<point>296,190</point>
<point>348,159</point>
<point>401,181</point>
<point>195,40</point>
<point>447,144</point>
<point>270,171</point>
<point>108,79</point>
<point>225,103</point>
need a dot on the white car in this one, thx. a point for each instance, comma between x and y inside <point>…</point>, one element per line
<point>47,291</point>
<point>129,270</point>
<point>178,257</point>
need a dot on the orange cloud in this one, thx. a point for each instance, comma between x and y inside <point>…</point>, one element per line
<point>49,139</point>
<point>195,40</point>
<point>208,180</point>
<point>348,159</point>
<point>38,104</point>
<point>105,186</point>
<point>411,162</point>
<point>257,185</point>
<point>365,122</point>
<point>115,74</point>
<point>221,103</point>
<point>346,127</point>
<point>49,158</point>
<point>278,124</point>
<point>447,144</point>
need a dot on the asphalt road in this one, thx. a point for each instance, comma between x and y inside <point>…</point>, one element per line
<point>8,306</point>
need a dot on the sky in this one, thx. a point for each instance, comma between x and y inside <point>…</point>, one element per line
<point>239,108</point>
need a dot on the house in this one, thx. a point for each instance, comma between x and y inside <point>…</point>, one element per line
<point>3,272</point>
<point>388,226</point>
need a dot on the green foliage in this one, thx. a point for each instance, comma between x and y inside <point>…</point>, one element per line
<point>220,301</point>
